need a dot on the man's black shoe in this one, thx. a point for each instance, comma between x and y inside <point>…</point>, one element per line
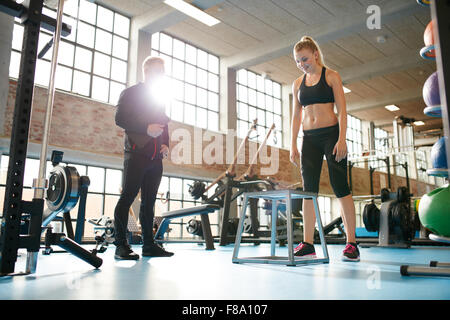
<point>155,250</point>
<point>124,252</point>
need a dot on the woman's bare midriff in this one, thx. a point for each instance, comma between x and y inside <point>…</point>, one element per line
<point>319,115</point>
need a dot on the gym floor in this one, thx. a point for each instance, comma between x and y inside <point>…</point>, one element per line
<point>196,274</point>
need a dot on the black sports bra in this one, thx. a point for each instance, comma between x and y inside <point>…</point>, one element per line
<point>319,93</point>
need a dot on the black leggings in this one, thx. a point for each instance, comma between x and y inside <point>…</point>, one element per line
<point>139,172</point>
<point>316,144</point>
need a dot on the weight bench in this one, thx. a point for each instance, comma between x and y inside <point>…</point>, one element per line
<point>202,210</point>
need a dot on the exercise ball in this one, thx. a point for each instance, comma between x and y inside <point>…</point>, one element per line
<point>434,212</point>
<point>439,154</point>
<point>428,39</point>
<point>430,91</point>
<point>425,3</point>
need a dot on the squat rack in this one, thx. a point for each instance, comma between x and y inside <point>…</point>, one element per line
<point>15,208</point>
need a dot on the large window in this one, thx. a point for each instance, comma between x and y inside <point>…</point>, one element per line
<point>381,149</point>
<point>92,60</point>
<point>400,159</point>
<point>258,98</point>
<point>422,166</point>
<point>354,137</point>
<point>194,75</point>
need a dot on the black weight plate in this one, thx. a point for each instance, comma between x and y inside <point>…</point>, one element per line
<point>384,194</point>
<point>402,194</point>
<point>197,189</point>
<point>371,217</point>
<point>56,187</point>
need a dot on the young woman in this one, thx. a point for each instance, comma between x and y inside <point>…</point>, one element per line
<point>316,93</point>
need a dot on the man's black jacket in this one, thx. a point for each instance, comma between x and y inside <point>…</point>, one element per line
<point>136,109</point>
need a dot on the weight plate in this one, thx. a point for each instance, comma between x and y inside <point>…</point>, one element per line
<point>197,189</point>
<point>62,193</point>
<point>402,194</point>
<point>371,217</point>
<point>384,194</point>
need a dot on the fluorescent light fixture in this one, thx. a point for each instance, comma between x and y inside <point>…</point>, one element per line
<point>419,123</point>
<point>392,107</point>
<point>192,11</point>
<point>347,90</point>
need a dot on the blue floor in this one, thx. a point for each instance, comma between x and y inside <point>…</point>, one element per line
<point>196,274</point>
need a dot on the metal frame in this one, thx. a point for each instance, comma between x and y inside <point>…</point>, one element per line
<point>14,206</point>
<point>440,13</point>
<point>275,196</point>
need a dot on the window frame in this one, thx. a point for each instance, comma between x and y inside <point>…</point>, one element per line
<point>243,124</point>
<point>212,118</point>
<point>111,96</point>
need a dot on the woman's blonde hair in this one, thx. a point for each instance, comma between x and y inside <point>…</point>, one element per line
<point>309,43</point>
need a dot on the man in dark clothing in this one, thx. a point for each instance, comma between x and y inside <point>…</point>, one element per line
<point>143,117</point>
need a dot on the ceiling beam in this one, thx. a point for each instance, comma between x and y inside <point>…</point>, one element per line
<point>389,98</point>
<point>337,28</point>
<point>380,67</point>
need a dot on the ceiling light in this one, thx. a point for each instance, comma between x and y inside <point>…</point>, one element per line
<point>347,90</point>
<point>419,123</point>
<point>192,11</point>
<point>392,107</point>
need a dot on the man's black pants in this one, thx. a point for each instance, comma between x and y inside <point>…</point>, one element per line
<point>139,172</point>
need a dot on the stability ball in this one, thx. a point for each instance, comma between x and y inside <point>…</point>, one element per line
<point>434,213</point>
<point>428,39</point>
<point>425,3</point>
<point>430,91</point>
<point>439,155</point>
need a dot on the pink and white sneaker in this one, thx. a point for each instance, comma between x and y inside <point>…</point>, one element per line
<point>305,249</point>
<point>350,253</point>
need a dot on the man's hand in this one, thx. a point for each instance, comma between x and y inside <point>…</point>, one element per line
<point>164,151</point>
<point>155,130</point>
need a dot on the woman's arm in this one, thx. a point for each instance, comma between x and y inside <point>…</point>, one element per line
<point>336,84</point>
<point>296,120</point>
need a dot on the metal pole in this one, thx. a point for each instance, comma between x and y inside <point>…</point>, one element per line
<point>371,170</point>
<point>39,185</point>
<point>388,163</point>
